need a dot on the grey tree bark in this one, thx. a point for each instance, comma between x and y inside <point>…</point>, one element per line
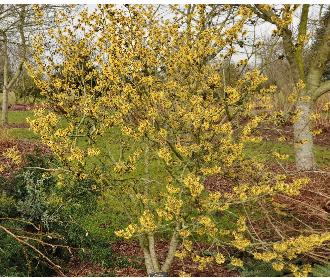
<point>5,93</point>
<point>303,137</point>
<point>8,84</point>
<point>153,267</point>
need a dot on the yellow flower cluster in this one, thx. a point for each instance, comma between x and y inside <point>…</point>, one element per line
<point>300,272</point>
<point>220,258</point>
<point>211,203</point>
<point>266,257</point>
<point>208,226</point>
<point>300,245</point>
<point>286,250</point>
<point>128,232</point>
<point>147,222</point>
<point>280,156</point>
<point>240,242</point>
<point>202,261</point>
<point>237,262</point>
<point>14,155</point>
<point>173,205</point>
<point>93,152</point>
<point>278,266</point>
<point>165,154</point>
<point>192,182</point>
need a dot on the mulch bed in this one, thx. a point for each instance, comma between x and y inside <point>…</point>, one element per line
<point>273,133</point>
<point>134,255</point>
<point>17,125</point>
<point>83,269</point>
<point>24,147</point>
<point>22,107</point>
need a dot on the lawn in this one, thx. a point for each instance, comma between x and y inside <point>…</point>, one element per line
<point>261,150</point>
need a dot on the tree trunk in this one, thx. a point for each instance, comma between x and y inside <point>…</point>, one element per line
<point>147,256</point>
<point>314,88</point>
<point>147,244</point>
<point>7,82</point>
<point>4,112</point>
<point>5,91</point>
<point>171,251</point>
<point>303,137</point>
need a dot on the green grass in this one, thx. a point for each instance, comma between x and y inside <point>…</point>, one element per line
<point>22,133</point>
<point>19,117</point>
<point>263,151</point>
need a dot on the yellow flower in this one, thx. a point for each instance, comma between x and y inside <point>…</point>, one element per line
<point>172,189</point>
<point>128,232</point>
<point>165,154</point>
<point>236,262</point>
<point>265,256</point>
<point>192,182</point>
<point>147,222</point>
<point>240,242</point>
<point>184,233</point>
<point>278,266</point>
<point>202,261</point>
<point>280,156</point>
<point>173,205</point>
<point>220,258</point>
<point>181,254</point>
<point>14,155</point>
<point>93,152</point>
<point>187,244</point>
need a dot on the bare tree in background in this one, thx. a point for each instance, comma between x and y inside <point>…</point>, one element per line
<point>17,15</point>
<point>18,24</point>
<point>277,69</point>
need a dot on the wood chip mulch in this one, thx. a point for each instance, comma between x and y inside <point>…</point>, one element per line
<point>272,134</point>
<point>17,125</point>
<point>131,251</point>
<point>24,147</point>
<point>22,107</point>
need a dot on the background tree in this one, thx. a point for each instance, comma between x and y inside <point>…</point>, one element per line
<point>294,46</point>
<point>277,69</point>
<point>25,88</point>
<point>17,26</point>
<point>13,20</point>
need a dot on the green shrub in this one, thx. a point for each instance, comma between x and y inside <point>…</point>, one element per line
<point>66,213</point>
<point>253,268</point>
<point>321,270</point>
<point>12,259</point>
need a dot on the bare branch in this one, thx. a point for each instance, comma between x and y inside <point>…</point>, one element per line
<point>322,89</point>
<point>56,267</point>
